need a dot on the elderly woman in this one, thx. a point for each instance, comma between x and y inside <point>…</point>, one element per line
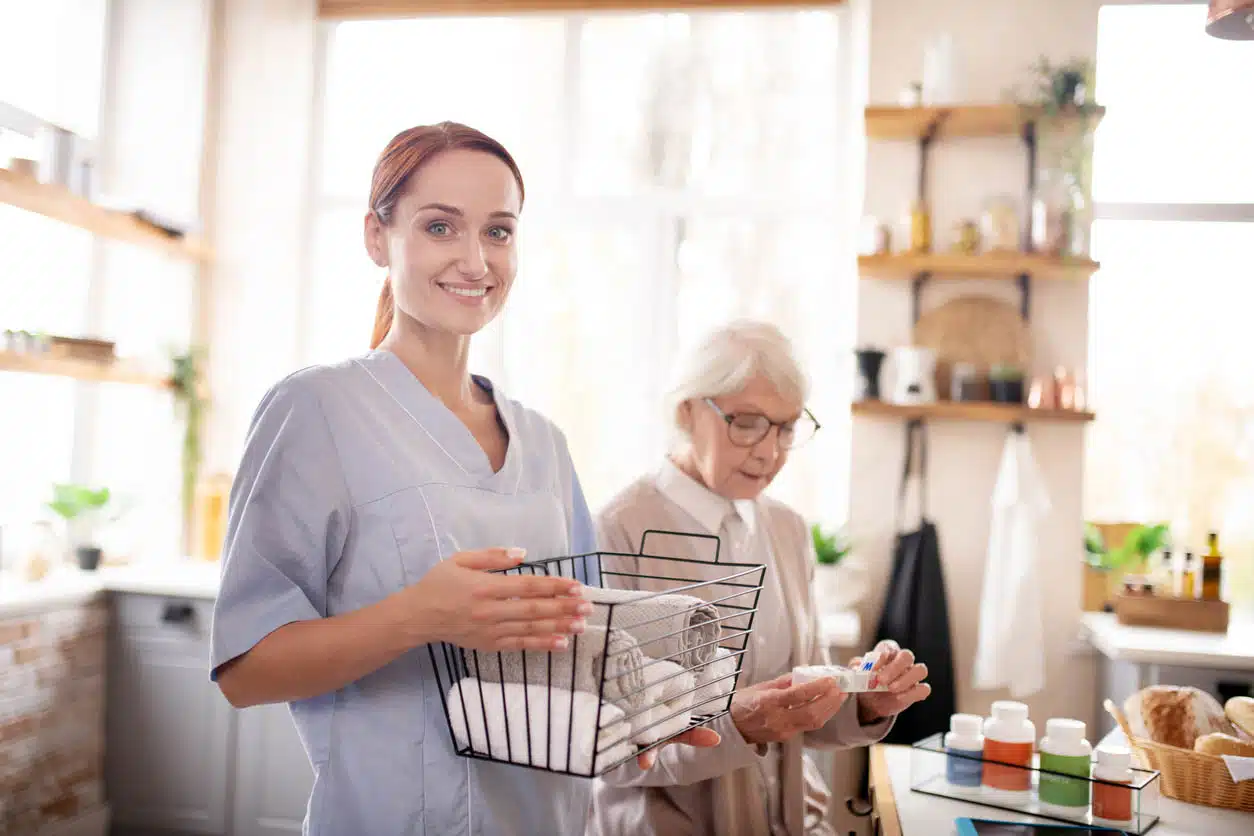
<point>739,409</point>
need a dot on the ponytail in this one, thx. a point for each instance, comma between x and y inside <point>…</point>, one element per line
<point>383,314</point>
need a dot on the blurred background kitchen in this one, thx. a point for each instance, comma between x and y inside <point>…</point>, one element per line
<point>990,217</point>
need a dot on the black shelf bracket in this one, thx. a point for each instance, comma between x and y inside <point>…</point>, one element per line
<point>1029,197</point>
<point>916,296</point>
<point>1025,296</point>
<point>1017,427</point>
<point>925,147</point>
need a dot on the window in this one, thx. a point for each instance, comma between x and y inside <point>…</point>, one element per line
<point>58,279</point>
<point>654,210</point>
<point>50,69</point>
<point>1170,346</point>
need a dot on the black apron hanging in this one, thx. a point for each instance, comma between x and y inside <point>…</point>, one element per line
<point>915,614</point>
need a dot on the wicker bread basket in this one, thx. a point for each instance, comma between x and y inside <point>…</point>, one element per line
<point>1186,775</point>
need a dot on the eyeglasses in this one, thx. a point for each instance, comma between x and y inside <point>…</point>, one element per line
<point>745,429</point>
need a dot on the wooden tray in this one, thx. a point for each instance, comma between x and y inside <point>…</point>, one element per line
<point>1176,613</point>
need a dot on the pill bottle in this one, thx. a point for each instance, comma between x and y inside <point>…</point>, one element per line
<point>964,745</point>
<point>1064,751</point>
<point>1008,739</point>
<point>1112,795</point>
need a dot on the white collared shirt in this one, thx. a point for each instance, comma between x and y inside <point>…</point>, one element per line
<point>743,539</point>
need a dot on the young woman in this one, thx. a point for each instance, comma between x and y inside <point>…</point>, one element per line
<point>372,495</point>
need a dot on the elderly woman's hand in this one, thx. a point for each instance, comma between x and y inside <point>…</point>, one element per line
<point>901,675</point>
<point>773,711</point>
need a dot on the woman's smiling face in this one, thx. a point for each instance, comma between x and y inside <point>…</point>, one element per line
<point>450,250</point>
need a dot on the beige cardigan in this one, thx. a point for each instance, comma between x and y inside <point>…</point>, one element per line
<point>721,791</point>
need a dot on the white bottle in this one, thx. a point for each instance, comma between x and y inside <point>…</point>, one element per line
<point>965,747</point>
<point>1064,751</point>
<point>1112,804</point>
<point>1008,740</point>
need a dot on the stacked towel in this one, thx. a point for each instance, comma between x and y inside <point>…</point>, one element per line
<point>624,662</point>
<point>676,628</point>
<point>530,708</point>
<point>714,692</point>
<point>669,703</point>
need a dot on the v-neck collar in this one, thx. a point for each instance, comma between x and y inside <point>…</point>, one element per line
<point>442,425</point>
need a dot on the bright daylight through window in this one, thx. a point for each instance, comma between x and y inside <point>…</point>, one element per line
<point>1170,344</point>
<point>654,211</point>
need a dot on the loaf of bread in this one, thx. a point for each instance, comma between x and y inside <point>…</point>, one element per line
<point>1223,744</point>
<point>1175,715</point>
<point>1240,711</point>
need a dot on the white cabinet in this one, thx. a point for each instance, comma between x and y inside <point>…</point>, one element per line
<point>167,730</point>
<point>178,758</point>
<point>272,774</point>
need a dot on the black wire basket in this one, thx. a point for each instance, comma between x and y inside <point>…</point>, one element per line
<point>661,654</point>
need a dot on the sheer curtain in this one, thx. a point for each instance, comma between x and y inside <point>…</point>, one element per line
<point>682,169</point>
<point>1170,342</point>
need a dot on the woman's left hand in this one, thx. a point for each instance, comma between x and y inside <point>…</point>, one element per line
<point>901,675</point>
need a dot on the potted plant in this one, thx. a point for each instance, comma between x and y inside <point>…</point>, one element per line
<point>1130,556</point>
<point>1005,383</point>
<point>1060,102</point>
<point>78,505</point>
<point>838,582</point>
<point>190,402</point>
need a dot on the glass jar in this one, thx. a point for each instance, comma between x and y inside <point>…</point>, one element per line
<point>999,226</point>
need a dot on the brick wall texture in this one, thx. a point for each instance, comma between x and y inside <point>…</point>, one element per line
<point>52,695</point>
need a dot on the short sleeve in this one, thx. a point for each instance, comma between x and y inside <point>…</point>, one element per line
<point>287,524</point>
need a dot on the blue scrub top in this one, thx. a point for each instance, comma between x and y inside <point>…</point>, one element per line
<point>355,480</point>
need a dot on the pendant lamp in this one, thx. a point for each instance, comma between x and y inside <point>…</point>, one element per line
<point>1232,20</point>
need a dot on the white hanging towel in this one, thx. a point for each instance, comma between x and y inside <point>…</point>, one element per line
<point>1011,648</point>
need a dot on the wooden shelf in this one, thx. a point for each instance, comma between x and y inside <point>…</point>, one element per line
<point>117,372</point>
<point>60,205</point>
<point>971,411</point>
<point>986,266</point>
<point>914,123</point>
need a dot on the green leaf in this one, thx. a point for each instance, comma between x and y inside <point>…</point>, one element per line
<point>829,549</point>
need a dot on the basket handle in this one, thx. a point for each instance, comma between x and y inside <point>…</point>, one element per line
<point>644,538</point>
<point>1115,712</point>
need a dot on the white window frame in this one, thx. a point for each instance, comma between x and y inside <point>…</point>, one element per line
<point>1172,212</point>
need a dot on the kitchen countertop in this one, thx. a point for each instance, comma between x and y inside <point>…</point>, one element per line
<point>1233,650</point>
<point>908,813</point>
<point>70,587</point>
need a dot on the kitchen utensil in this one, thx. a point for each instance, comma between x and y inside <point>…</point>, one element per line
<point>914,368</point>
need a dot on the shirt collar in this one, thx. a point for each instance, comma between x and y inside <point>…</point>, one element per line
<point>702,504</point>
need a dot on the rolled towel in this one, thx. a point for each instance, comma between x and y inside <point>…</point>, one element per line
<point>670,626</point>
<point>714,691</point>
<point>529,708</point>
<point>669,693</point>
<point>623,658</point>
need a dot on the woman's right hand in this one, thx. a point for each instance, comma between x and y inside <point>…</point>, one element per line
<point>460,601</point>
<point>777,710</point>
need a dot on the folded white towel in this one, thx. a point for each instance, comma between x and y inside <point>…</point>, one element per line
<point>669,626</point>
<point>714,691</point>
<point>623,659</point>
<point>530,708</point>
<point>669,697</point>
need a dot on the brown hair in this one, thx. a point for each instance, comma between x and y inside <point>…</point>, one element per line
<point>405,154</point>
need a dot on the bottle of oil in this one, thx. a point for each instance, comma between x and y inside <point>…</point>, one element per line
<point>1189,577</point>
<point>920,228</point>
<point>1212,563</point>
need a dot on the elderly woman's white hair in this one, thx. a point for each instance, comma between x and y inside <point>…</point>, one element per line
<point>729,357</point>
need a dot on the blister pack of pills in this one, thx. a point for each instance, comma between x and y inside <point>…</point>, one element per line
<point>852,681</point>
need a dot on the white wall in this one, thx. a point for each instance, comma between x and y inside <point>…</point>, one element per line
<point>995,44</point>
<point>259,215</point>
